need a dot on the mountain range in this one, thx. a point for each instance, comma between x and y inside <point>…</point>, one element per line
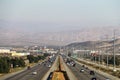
<point>14,36</point>
<point>97,45</point>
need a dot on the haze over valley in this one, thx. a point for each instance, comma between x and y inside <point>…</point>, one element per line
<point>24,38</point>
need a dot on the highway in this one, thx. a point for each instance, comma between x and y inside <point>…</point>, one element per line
<point>28,74</point>
<point>42,69</point>
<point>85,75</point>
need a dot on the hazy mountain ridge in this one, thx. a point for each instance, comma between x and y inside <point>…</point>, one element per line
<point>97,45</point>
<point>20,37</point>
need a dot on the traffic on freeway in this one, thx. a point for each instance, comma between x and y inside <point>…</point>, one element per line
<point>81,72</point>
<point>34,73</point>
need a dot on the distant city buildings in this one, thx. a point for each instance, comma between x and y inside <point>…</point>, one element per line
<point>20,52</point>
<point>10,53</point>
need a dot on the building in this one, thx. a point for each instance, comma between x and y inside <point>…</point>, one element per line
<point>19,54</point>
<point>5,52</point>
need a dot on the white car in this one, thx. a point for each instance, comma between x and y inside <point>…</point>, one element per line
<point>82,70</point>
<point>34,73</point>
<point>49,66</point>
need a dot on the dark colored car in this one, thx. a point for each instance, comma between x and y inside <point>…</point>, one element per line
<point>83,65</point>
<point>74,65</point>
<point>28,67</point>
<point>94,78</point>
<point>92,73</point>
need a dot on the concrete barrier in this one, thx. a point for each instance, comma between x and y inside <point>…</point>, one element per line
<point>53,68</point>
<point>64,68</point>
<point>69,72</point>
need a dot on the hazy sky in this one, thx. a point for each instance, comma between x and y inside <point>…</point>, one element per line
<point>57,15</point>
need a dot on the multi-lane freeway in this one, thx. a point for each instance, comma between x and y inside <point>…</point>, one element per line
<point>28,74</point>
<point>83,73</point>
<point>35,73</point>
<point>80,71</point>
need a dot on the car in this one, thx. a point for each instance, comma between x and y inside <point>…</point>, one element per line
<point>94,78</point>
<point>39,63</point>
<point>34,73</point>
<point>49,66</point>
<point>81,70</point>
<point>68,63</point>
<point>74,64</point>
<point>28,67</point>
<point>86,68</point>
<point>92,73</point>
<point>83,65</point>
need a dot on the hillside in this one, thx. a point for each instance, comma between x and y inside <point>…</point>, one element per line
<point>15,36</point>
<point>94,45</point>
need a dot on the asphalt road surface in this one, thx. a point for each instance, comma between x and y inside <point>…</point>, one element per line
<point>28,74</point>
<point>40,69</point>
<point>85,75</point>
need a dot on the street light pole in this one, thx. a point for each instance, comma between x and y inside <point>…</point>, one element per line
<point>106,51</point>
<point>99,58</point>
<point>107,60</point>
<point>114,64</point>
